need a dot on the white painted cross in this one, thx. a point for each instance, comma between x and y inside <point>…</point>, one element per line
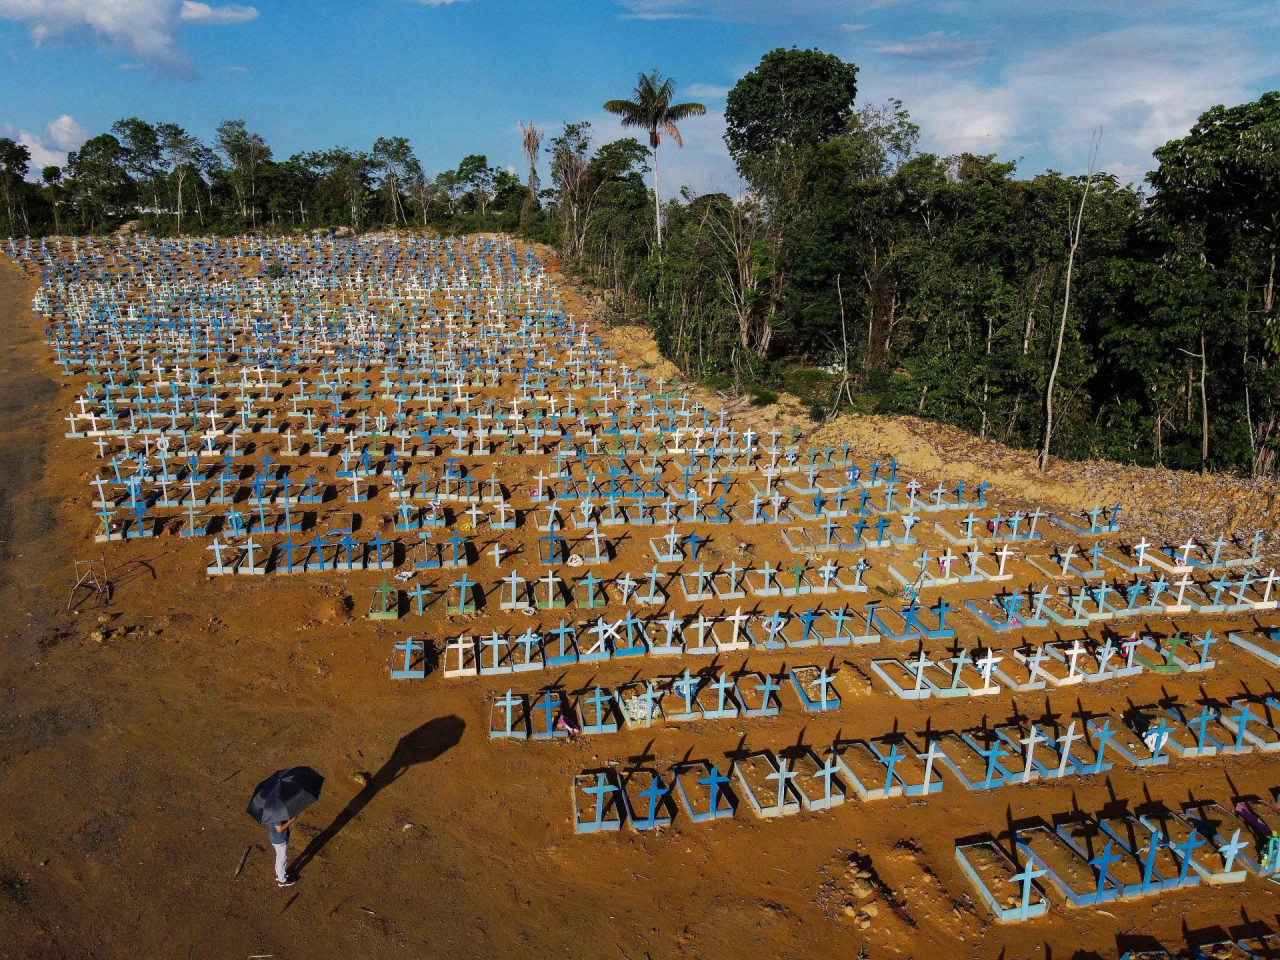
<point>918,667</point>
<point>1186,549</point>
<point>1073,655</point>
<point>737,619</point>
<point>933,753</point>
<point>1064,747</point>
<point>986,664</point>
<point>1003,553</point>
<point>1182,585</point>
<point>1029,741</point>
<point>1140,551</point>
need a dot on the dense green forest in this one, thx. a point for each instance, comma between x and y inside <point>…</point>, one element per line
<point>1077,315</point>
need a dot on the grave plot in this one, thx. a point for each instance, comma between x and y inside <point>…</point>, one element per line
<point>1122,870</point>
<point>1080,882</point>
<point>766,783</point>
<point>1012,894</point>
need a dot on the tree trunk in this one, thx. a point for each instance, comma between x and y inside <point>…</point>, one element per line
<point>986,378</point>
<point>1062,326</point>
<point>657,197</point>
<point>1204,411</point>
<point>1269,292</point>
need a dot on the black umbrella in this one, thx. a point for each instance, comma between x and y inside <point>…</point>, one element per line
<point>285,794</point>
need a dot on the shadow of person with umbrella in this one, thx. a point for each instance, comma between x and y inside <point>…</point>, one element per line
<point>422,745</point>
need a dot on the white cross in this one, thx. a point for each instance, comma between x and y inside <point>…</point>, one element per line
<point>1186,549</point>
<point>1073,653</point>
<point>1065,557</point>
<point>1140,551</point>
<point>928,757</point>
<point>1065,742</point>
<point>1003,554</point>
<point>1029,741</point>
<point>918,668</point>
<point>986,664</point>
<point>1269,580</point>
<point>1130,644</point>
<point>944,563</point>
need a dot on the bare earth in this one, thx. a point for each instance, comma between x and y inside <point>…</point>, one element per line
<point>131,736</point>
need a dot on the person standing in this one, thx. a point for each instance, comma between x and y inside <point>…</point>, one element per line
<point>278,834</point>
<point>276,803</point>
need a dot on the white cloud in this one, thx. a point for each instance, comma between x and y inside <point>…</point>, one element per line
<point>948,50</point>
<point>661,10</point>
<point>145,30</point>
<point>194,12</point>
<point>49,149</point>
<point>1141,85</point>
<point>708,90</point>
<point>747,11</point>
<point>65,133</point>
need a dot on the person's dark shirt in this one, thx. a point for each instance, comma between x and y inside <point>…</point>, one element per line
<point>278,836</point>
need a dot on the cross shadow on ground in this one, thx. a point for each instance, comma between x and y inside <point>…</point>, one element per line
<point>422,745</point>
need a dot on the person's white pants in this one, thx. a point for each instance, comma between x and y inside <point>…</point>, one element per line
<point>282,861</point>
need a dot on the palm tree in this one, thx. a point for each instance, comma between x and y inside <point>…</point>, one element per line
<point>651,108</point>
<point>531,138</point>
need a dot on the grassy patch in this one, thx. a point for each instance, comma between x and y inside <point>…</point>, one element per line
<point>809,385</point>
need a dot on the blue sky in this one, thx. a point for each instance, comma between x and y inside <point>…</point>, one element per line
<point>1025,79</point>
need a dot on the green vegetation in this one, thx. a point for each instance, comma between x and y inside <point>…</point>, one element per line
<point>1075,314</point>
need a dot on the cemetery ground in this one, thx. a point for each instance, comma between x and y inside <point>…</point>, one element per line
<point>132,732</point>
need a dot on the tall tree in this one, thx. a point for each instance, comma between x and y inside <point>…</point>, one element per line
<point>15,161</point>
<point>178,148</point>
<point>245,153</point>
<point>393,157</point>
<point>99,180</point>
<point>531,141</point>
<point>1066,310</point>
<point>650,108</point>
<point>779,118</point>
<point>1225,174</point>
<point>141,143</point>
<point>475,174</point>
<point>52,178</point>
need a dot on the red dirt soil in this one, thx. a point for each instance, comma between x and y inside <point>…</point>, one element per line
<point>132,734</point>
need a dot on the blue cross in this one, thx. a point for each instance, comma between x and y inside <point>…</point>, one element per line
<point>1102,863</point>
<point>713,781</point>
<point>890,760</point>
